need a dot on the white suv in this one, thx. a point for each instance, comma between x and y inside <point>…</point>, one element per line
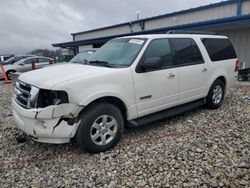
<point>129,81</point>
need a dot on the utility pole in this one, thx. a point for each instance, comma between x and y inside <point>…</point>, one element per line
<point>138,15</point>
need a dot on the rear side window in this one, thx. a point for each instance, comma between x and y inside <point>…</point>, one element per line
<point>42,60</point>
<point>187,52</point>
<point>219,49</point>
<point>29,61</point>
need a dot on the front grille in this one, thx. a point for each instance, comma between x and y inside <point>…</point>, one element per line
<point>22,93</point>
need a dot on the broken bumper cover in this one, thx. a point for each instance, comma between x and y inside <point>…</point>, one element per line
<point>47,124</point>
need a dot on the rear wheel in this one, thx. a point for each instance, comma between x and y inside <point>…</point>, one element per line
<point>216,94</point>
<point>101,128</point>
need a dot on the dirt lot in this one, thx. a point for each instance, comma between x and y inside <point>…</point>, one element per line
<point>202,148</point>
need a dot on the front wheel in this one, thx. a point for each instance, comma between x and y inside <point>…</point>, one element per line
<point>101,128</point>
<point>9,74</point>
<point>216,94</point>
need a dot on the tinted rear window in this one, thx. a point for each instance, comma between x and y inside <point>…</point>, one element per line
<point>187,52</point>
<point>219,49</point>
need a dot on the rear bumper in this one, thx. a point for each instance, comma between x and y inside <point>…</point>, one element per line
<point>46,125</point>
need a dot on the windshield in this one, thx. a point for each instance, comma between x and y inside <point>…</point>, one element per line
<point>81,57</point>
<point>10,60</point>
<point>119,52</point>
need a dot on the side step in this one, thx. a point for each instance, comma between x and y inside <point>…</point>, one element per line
<point>166,113</point>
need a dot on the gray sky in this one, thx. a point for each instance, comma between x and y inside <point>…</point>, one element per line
<point>29,24</point>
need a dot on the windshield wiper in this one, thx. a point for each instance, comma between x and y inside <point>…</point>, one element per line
<point>102,63</point>
<point>74,62</point>
<point>79,61</point>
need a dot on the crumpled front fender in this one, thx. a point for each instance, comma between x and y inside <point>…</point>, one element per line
<point>54,111</point>
<point>50,124</point>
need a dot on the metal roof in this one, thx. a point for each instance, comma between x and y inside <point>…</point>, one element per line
<point>163,15</point>
<point>231,22</point>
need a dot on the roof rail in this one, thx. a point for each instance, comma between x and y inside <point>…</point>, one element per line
<point>191,32</point>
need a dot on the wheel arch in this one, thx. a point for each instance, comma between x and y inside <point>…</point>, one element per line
<point>112,100</point>
<point>10,70</point>
<point>223,79</point>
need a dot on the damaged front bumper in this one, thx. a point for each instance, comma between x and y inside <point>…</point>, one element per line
<point>53,124</point>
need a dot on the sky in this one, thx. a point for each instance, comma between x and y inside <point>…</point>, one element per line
<point>26,25</point>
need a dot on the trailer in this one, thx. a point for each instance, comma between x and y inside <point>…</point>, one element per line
<point>244,74</point>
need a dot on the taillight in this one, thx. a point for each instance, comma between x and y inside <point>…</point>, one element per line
<point>237,65</point>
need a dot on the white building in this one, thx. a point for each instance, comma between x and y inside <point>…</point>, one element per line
<point>230,18</point>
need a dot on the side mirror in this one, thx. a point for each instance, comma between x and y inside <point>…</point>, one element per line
<point>150,63</point>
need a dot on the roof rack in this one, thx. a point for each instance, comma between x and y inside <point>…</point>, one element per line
<point>191,32</point>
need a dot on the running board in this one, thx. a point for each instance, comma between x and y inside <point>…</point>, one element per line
<point>166,113</point>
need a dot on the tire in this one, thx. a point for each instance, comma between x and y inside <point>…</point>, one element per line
<point>216,94</point>
<point>9,74</point>
<point>244,78</point>
<point>240,79</point>
<point>93,130</point>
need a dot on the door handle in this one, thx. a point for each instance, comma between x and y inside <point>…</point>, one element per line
<point>171,76</point>
<point>204,69</point>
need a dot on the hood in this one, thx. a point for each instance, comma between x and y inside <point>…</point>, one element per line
<point>56,64</point>
<point>50,76</point>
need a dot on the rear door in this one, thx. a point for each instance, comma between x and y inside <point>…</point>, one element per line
<point>157,88</point>
<point>193,72</point>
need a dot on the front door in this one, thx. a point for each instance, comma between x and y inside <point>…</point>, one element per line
<point>156,88</point>
<point>25,66</point>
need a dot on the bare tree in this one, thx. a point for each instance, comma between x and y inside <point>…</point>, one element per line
<point>46,52</point>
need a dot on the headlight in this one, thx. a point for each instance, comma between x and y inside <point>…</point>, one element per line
<point>50,97</point>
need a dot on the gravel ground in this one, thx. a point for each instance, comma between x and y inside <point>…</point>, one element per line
<point>202,148</point>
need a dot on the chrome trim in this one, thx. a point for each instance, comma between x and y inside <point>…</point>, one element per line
<point>26,95</point>
<point>33,97</point>
<point>15,98</point>
<point>22,98</point>
<point>22,90</point>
